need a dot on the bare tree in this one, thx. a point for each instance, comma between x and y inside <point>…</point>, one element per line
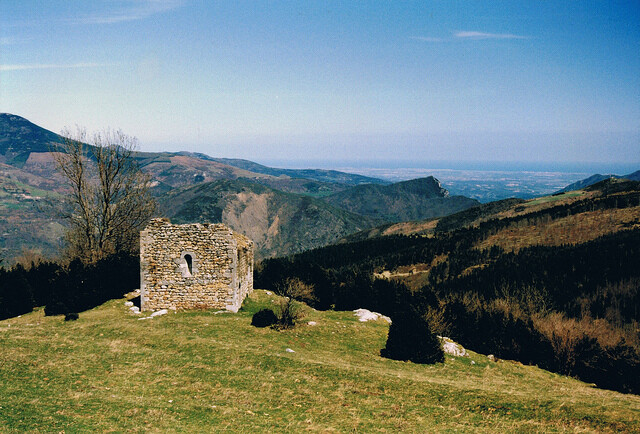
<point>110,196</point>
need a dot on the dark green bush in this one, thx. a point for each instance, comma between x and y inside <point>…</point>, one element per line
<point>264,318</point>
<point>411,339</point>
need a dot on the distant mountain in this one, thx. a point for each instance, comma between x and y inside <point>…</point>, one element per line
<point>19,138</point>
<point>331,176</point>
<point>579,185</point>
<point>279,208</point>
<point>416,199</point>
<point>279,223</point>
<point>26,145</point>
<point>186,168</point>
<point>635,176</point>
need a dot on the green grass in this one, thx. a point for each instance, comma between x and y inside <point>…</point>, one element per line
<point>200,372</point>
<point>547,199</point>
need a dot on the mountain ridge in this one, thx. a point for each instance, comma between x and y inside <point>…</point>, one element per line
<point>416,199</point>
<point>593,179</point>
<point>276,221</point>
<point>28,166</point>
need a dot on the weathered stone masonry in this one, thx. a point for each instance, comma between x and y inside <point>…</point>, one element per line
<point>194,266</point>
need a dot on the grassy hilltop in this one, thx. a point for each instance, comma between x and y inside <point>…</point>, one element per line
<point>200,371</point>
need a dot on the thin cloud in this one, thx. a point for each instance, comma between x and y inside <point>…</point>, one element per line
<point>469,35</point>
<point>426,39</point>
<point>483,35</point>
<point>31,66</point>
<point>136,10</point>
<point>7,41</point>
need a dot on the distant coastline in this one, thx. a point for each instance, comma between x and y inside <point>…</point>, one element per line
<point>588,168</point>
<point>485,181</point>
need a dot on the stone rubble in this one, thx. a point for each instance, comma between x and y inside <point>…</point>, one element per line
<point>159,312</point>
<point>366,315</point>
<point>452,348</point>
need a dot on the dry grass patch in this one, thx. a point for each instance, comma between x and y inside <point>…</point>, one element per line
<point>574,229</point>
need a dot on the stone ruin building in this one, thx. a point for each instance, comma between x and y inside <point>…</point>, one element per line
<point>194,266</point>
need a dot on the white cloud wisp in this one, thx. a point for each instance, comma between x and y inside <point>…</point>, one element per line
<point>137,10</point>
<point>31,66</point>
<point>483,35</point>
<point>469,35</point>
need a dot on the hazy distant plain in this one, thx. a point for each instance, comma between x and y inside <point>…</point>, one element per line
<point>483,185</point>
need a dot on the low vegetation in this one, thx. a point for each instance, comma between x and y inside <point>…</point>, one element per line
<point>199,371</point>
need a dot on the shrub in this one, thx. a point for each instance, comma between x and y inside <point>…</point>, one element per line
<point>264,318</point>
<point>289,311</point>
<point>296,288</point>
<point>410,338</point>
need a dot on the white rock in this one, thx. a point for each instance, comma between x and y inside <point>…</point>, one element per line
<point>268,292</point>
<point>366,315</point>
<point>312,323</point>
<point>473,363</point>
<point>491,357</point>
<point>159,312</point>
<point>452,348</point>
<point>135,309</point>
<point>289,350</point>
<point>128,303</point>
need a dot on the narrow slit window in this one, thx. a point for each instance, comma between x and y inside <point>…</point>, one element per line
<point>189,260</point>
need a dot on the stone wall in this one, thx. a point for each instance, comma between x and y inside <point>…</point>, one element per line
<point>194,266</point>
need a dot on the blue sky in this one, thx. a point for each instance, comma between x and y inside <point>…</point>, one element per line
<point>388,80</point>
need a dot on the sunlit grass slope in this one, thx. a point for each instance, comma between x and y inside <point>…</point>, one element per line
<point>201,371</point>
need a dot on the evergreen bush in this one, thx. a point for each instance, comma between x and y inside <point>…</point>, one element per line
<point>264,318</point>
<point>411,339</point>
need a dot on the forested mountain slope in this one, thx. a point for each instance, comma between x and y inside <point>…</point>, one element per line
<point>416,199</point>
<point>278,222</point>
<point>553,281</point>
